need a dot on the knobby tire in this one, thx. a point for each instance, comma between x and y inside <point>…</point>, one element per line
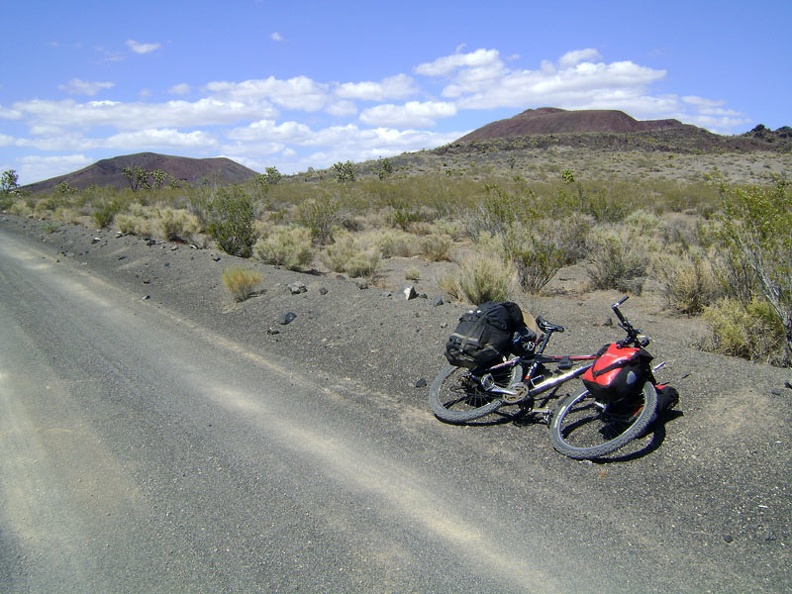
<point>457,397</point>
<point>580,430</point>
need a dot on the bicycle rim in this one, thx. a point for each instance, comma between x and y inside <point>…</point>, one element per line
<point>457,397</point>
<point>585,429</point>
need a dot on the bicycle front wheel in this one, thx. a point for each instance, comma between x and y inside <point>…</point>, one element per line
<point>585,429</point>
<point>456,396</point>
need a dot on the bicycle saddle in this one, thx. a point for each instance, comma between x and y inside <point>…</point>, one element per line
<point>546,326</point>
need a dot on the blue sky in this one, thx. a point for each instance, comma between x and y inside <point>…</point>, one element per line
<point>300,84</point>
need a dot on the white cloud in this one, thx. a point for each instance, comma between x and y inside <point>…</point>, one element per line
<point>160,139</point>
<point>445,66</point>
<point>292,132</point>
<point>300,122</point>
<point>276,36</point>
<point>180,89</point>
<point>412,114</point>
<point>77,86</point>
<point>298,93</point>
<point>481,80</point>
<point>35,167</point>
<point>142,48</point>
<point>575,57</point>
<point>394,87</point>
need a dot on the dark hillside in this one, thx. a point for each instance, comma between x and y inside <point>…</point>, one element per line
<point>110,172</point>
<point>551,120</point>
<point>610,130</point>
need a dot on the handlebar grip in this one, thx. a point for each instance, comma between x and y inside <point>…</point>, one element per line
<point>619,302</point>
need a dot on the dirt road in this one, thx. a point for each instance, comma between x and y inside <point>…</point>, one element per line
<point>148,449</point>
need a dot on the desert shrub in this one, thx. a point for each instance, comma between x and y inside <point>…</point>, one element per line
<point>355,256</point>
<point>178,225</point>
<point>403,216</point>
<point>241,282</point>
<point>129,224</point>
<point>65,215</point>
<point>436,247</point>
<point>394,243</point>
<point>751,331</point>
<point>603,204</point>
<point>290,247</point>
<point>20,208</point>
<point>105,212</point>
<point>364,264</point>
<point>615,262</point>
<point>320,215</point>
<point>755,227</point>
<point>538,249</point>
<point>689,279</point>
<point>448,283</point>
<point>485,278</point>
<point>6,200</point>
<point>535,259</point>
<point>499,210</point>
<point>231,214</point>
<point>412,274</point>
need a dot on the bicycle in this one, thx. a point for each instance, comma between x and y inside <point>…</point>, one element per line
<point>583,426</point>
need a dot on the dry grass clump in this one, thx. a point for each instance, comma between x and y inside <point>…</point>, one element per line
<point>130,224</point>
<point>240,282</point>
<point>751,331</point>
<point>484,278</point>
<point>290,247</point>
<point>689,279</point>
<point>615,261</point>
<point>355,256</point>
<point>178,225</point>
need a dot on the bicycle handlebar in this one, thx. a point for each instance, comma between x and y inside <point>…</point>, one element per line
<point>633,334</point>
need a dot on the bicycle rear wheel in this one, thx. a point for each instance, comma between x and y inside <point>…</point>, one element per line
<point>456,396</point>
<point>585,429</point>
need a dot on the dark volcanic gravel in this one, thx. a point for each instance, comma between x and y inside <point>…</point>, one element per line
<point>724,456</point>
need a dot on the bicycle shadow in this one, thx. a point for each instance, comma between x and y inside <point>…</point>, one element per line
<point>636,449</point>
<point>640,447</point>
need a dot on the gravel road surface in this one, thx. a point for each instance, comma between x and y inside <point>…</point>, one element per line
<point>158,437</point>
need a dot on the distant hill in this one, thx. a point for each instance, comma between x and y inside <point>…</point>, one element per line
<point>110,172</point>
<point>613,130</point>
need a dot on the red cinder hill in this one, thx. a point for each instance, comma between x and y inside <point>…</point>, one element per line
<point>110,172</point>
<point>551,120</point>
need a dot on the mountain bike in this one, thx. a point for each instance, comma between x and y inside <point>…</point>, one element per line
<point>585,425</point>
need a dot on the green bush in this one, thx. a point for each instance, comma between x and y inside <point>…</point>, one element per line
<point>540,248</point>
<point>756,237</point>
<point>105,212</point>
<point>320,216</point>
<point>751,331</point>
<point>436,247</point>
<point>230,215</point>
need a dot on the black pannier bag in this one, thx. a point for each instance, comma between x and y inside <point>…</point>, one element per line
<point>484,334</point>
<point>619,372</point>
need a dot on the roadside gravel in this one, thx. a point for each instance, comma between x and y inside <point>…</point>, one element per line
<point>723,457</point>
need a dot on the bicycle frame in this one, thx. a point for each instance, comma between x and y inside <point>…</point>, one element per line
<point>585,425</point>
<point>526,391</point>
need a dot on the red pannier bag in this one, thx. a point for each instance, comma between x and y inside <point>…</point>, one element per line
<point>618,372</point>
